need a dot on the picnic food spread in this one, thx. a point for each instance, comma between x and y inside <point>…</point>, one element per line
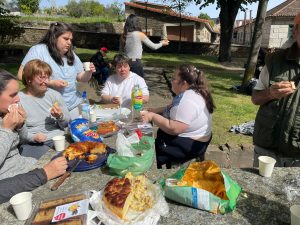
<point>121,194</point>
<point>107,127</point>
<point>87,150</point>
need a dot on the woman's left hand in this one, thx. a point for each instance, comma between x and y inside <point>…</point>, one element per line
<point>146,116</point>
<point>56,111</point>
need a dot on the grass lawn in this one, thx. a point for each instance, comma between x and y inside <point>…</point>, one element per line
<point>231,108</point>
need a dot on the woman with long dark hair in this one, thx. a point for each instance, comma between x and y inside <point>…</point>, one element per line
<point>56,49</point>
<point>131,43</point>
<point>185,125</point>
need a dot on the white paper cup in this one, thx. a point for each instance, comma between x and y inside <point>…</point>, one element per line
<point>93,117</point>
<point>266,165</point>
<point>86,66</point>
<point>295,215</point>
<point>22,205</point>
<point>59,143</point>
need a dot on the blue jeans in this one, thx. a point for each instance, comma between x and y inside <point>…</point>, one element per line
<point>35,150</point>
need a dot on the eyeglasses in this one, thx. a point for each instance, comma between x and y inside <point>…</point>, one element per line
<point>42,78</point>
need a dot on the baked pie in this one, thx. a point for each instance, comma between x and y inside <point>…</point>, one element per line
<point>84,149</point>
<point>107,127</point>
<point>122,194</point>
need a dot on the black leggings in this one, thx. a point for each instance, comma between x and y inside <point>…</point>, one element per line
<point>174,149</point>
<point>137,67</point>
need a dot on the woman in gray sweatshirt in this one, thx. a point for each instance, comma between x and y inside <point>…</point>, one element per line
<point>131,43</point>
<point>15,174</point>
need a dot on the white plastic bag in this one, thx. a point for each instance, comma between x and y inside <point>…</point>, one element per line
<point>123,146</point>
<point>149,217</point>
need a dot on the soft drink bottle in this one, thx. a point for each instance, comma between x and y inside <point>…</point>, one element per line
<point>137,98</point>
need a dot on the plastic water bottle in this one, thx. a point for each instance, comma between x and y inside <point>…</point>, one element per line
<point>85,106</point>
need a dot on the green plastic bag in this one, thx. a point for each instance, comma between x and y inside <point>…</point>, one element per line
<point>202,199</point>
<point>120,165</point>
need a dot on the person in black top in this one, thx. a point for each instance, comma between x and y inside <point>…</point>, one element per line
<point>102,67</point>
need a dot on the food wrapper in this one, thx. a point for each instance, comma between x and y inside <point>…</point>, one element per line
<point>203,185</point>
<point>148,217</point>
<point>81,132</point>
<point>141,161</point>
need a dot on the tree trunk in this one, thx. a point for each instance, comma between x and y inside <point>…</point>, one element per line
<point>255,43</point>
<point>228,12</point>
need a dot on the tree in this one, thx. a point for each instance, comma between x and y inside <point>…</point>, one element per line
<point>29,6</point>
<point>9,25</point>
<point>228,13</point>
<point>256,42</point>
<point>207,17</point>
<point>179,6</point>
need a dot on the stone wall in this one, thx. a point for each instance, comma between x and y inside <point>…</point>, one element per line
<point>94,40</point>
<point>280,32</point>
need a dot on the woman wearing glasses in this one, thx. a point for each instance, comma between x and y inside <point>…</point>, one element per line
<point>47,113</point>
<point>185,125</point>
<point>57,50</point>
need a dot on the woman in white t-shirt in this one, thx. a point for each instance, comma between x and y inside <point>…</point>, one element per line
<point>118,87</point>
<point>185,125</point>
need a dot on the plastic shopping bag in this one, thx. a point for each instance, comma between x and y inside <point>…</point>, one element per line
<point>203,185</point>
<point>138,164</point>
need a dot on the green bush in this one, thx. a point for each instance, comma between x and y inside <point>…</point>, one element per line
<point>84,8</point>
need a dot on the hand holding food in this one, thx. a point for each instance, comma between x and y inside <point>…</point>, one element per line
<point>13,120</point>
<point>281,89</point>
<point>56,111</point>
<point>58,84</point>
<point>40,138</point>
<point>56,167</point>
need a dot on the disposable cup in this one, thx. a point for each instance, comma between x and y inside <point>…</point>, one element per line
<point>93,117</point>
<point>266,165</point>
<point>22,205</point>
<point>59,143</point>
<point>86,66</point>
<point>295,215</point>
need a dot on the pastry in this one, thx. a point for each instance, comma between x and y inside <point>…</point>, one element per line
<point>122,194</point>
<point>81,149</point>
<point>293,85</point>
<point>107,127</point>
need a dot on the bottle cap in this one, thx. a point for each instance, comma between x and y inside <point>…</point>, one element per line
<point>84,94</point>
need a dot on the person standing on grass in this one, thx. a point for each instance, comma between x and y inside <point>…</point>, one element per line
<point>16,174</point>
<point>56,49</point>
<point>185,125</point>
<point>277,123</point>
<point>131,43</point>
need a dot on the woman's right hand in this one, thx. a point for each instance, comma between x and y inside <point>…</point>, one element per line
<point>56,167</point>
<point>57,84</point>
<point>13,120</point>
<point>40,138</point>
<point>165,42</point>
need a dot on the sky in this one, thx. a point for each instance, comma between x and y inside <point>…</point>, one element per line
<point>192,9</point>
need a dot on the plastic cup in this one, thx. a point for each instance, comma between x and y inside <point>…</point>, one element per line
<point>22,205</point>
<point>266,165</point>
<point>295,215</point>
<point>86,66</point>
<point>93,117</point>
<point>59,143</point>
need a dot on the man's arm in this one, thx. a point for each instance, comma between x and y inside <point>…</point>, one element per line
<point>22,182</point>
